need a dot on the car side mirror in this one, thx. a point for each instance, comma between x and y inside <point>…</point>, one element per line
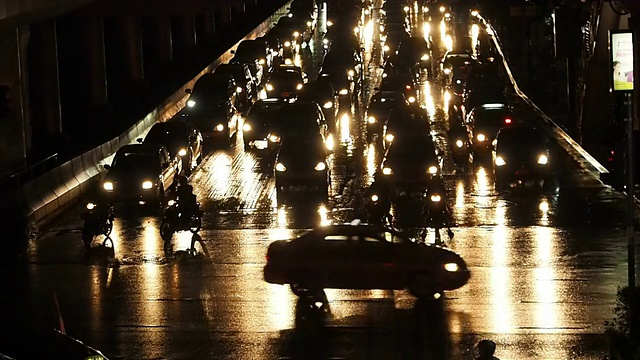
<point>139,140</point>
<point>106,166</point>
<point>188,91</point>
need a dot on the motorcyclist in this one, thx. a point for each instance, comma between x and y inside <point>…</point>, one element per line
<point>436,202</point>
<point>486,349</point>
<point>185,197</point>
<point>378,198</point>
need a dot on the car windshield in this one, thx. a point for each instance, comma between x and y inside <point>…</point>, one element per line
<point>491,118</point>
<point>136,162</point>
<point>411,149</point>
<point>232,70</point>
<point>263,111</point>
<point>173,138</point>
<point>527,140</point>
<point>286,77</point>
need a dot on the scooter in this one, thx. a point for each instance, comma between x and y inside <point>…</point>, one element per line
<point>378,211</point>
<point>179,217</point>
<point>98,220</point>
<point>436,215</point>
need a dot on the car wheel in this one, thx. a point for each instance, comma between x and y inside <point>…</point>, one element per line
<point>421,287</point>
<point>303,289</point>
<point>166,232</point>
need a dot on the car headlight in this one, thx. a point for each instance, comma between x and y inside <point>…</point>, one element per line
<point>299,86</point>
<point>371,120</point>
<point>351,72</point>
<point>329,142</point>
<point>91,206</point>
<point>387,171</point>
<point>288,61</point>
<point>424,57</point>
<point>432,170</point>
<point>191,103</point>
<point>543,159</point>
<point>262,61</point>
<point>389,137</point>
<point>246,127</point>
<point>171,202</point>
<point>182,152</point>
<point>147,184</point>
<point>321,166</point>
<point>325,41</point>
<point>374,197</point>
<point>451,267</point>
<point>459,143</point>
<point>287,43</point>
<point>269,87</point>
<point>296,34</point>
<point>412,99</point>
<point>386,48</point>
<point>436,197</point>
<point>274,138</point>
<point>481,137</point>
<point>343,92</point>
<point>108,185</point>
<point>219,127</point>
<point>500,161</point>
<point>447,71</point>
<point>328,105</point>
<point>280,167</point>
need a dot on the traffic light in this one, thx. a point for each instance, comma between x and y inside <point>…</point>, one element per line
<point>5,101</point>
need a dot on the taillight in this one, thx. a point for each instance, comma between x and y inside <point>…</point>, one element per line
<point>507,121</point>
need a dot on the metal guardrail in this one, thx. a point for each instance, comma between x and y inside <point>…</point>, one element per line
<point>27,174</point>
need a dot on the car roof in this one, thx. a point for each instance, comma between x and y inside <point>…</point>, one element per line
<point>353,229</point>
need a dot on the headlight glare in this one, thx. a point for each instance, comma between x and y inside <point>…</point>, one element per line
<point>543,159</point>
<point>108,186</point>
<point>147,185</point>
<point>500,161</point>
<point>191,103</point>
<point>182,152</point>
<point>451,267</point>
<point>321,166</point>
<point>280,167</point>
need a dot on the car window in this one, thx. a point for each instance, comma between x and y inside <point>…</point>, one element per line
<point>339,238</point>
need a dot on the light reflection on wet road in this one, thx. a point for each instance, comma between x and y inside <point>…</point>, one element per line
<point>545,266</point>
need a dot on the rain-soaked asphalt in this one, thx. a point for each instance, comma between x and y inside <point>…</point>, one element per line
<point>545,266</point>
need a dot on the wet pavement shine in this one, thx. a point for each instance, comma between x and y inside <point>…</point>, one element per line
<point>545,266</point>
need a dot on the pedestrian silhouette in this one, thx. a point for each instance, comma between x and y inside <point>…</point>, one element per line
<point>486,349</point>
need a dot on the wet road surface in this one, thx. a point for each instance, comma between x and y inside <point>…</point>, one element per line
<point>545,266</point>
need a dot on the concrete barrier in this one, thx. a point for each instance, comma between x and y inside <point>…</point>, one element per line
<point>51,192</point>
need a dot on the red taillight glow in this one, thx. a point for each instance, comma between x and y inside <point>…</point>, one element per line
<point>408,87</point>
<point>507,121</point>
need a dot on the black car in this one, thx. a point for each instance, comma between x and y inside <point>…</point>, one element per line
<point>380,107</point>
<point>301,119</point>
<point>220,123</point>
<point>284,84</point>
<point>258,124</point>
<point>398,79</point>
<point>247,87</point>
<point>140,173</point>
<point>410,163</point>
<point>406,120</point>
<point>181,138</point>
<point>209,91</point>
<point>483,123</point>
<point>322,92</point>
<point>254,53</point>
<point>414,52</point>
<point>522,157</point>
<point>302,166</point>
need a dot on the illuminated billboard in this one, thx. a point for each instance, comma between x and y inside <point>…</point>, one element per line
<point>621,48</point>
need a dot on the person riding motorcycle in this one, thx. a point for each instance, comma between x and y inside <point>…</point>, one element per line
<point>486,350</point>
<point>378,199</point>
<point>185,197</point>
<point>436,212</point>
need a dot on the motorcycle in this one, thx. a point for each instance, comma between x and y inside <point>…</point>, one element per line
<point>98,220</point>
<point>378,210</point>
<point>180,217</point>
<point>436,215</point>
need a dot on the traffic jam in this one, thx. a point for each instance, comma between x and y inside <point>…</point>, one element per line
<point>342,156</point>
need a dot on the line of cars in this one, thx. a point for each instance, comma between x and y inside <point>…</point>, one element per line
<point>484,122</point>
<point>364,256</point>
